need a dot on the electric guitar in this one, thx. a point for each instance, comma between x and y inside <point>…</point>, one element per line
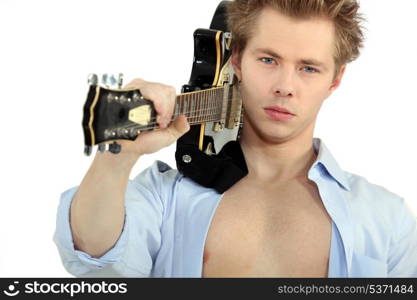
<point>210,101</point>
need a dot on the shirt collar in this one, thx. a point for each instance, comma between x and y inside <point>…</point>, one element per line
<point>326,165</point>
<point>223,170</point>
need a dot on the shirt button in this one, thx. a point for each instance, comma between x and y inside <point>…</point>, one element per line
<point>186,158</point>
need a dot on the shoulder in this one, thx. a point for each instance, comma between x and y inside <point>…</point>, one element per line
<point>363,190</point>
<point>157,179</point>
<point>384,225</point>
<point>371,202</point>
<point>156,173</point>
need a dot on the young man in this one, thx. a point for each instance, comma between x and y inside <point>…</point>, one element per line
<point>295,214</point>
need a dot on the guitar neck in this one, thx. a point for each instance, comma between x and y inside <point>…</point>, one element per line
<point>111,114</point>
<point>201,106</point>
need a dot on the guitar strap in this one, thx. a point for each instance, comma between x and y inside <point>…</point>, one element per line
<point>219,171</point>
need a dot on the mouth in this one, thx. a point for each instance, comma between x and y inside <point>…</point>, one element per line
<point>278,113</point>
<point>279,109</point>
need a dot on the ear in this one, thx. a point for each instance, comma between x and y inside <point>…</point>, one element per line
<point>236,60</point>
<point>338,79</point>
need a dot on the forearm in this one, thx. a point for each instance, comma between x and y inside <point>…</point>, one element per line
<point>97,210</point>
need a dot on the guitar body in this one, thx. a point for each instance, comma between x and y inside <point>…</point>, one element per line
<point>211,68</point>
<point>204,154</point>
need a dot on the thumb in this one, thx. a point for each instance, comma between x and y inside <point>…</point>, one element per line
<point>180,126</point>
<point>150,141</point>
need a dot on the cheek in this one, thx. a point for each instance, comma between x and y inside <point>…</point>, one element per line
<point>254,79</point>
<point>315,90</point>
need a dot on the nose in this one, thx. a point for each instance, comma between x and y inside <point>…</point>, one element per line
<point>284,84</point>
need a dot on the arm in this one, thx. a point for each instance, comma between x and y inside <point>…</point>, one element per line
<point>402,261</point>
<point>136,249</point>
<point>97,211</point>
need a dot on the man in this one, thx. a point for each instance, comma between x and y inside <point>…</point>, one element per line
<point>295,213</point>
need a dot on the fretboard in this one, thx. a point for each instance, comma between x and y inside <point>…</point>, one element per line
<point>200,106</point>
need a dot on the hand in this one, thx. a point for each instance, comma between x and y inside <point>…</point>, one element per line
<point>163,98</point>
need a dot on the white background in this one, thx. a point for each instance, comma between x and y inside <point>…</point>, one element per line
<point>47,49</point>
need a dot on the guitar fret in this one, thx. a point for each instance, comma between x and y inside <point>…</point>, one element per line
<point>221,102</point>
<point>193,112</point>
<point>183,105</point>
<point>198,100</point>
<point>212,101</point>
<point>203,109</point>
<point>207,110</point>
<point>216,108</point>
<point>186,107</point>
<point>181,102</point>
<point>201,106</point>
<point>209,104</point>
<point>176,109</point>
<point>190,111</point>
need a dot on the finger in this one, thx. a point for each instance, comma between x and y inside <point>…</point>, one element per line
<point>162,96</point>
<point>179,127</point>
<point>164,103</point>
<point>170,99</point>
<point>135,83</point>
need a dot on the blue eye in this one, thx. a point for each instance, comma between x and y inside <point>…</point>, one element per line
<point>267,60</point>
<point>310,70</point>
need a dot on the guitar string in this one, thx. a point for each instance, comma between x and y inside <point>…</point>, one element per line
<point>150,126</point>
<point>200,118</point>
<point>147,127</point>
<point>191,118</point>
<point>207,109</point>
<point>204,109</point>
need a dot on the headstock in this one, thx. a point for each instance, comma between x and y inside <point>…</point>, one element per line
<point>112,113</point>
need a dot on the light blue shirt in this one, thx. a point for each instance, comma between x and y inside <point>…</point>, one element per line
<point>374,232</point>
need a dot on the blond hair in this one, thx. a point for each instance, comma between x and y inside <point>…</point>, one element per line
<point>242,15</point>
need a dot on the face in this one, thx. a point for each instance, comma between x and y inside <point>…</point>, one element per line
<point>287,65</point>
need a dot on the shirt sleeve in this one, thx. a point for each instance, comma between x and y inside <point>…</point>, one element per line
<point>136,249</point>
<point>402,261</point>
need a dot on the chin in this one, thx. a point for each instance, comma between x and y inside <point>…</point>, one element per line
<point>272,135</point>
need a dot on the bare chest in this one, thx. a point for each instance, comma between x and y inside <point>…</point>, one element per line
<point>282,232</point>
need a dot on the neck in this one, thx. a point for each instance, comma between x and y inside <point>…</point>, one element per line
<point>278,161</point>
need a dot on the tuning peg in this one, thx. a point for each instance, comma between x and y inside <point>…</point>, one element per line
<point>102,147</point>
<point>112,80</point>
<point>108,80</point>
<point>87,150</point>
<point>120,80</point>
<point>92,79</point>
<point>115,148</point>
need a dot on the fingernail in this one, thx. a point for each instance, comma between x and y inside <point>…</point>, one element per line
<point>158,120</point>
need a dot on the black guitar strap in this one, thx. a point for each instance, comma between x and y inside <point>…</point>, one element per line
<point>219,171</point>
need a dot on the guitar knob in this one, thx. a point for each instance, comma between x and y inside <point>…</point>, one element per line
<point>92,79</point>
